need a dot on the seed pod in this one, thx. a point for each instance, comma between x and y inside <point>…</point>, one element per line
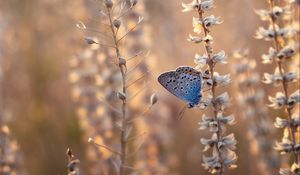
<point>109,4</point>
<point>122,62</point>
<point>90,40</point>
<point>121,96</point>
<point>153,99</point>
<point>117,23</point>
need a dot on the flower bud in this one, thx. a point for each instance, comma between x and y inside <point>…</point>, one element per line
<point>117,23</point>
<point>90,40</point>
<point>121,96</point>
<point>90,140</point>
<point>109,4</point>
<point>122,62</point>
<point>153,99</point>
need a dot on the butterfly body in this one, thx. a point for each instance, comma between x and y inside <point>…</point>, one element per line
<point>185,83</point>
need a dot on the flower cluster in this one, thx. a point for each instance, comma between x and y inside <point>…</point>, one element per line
<point>250,98</point>
<point>221,145</point>
<point>281,53</point>
<point>93,82</point>
<point>10,156</point>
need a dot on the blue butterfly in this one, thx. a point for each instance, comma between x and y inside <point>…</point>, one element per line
<point>185,83</point>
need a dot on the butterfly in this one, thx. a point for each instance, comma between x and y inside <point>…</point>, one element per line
<point>185,83</point>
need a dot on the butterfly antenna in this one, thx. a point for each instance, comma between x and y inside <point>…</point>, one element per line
<point>180,116</point>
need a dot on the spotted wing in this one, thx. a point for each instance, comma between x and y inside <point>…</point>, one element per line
<point>185,83</point>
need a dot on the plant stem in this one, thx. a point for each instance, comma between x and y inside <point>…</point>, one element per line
<point>211,65</point>
<point>123,69</point>
<point>292,129</point>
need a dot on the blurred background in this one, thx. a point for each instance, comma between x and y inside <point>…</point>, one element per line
<point>39,39</point>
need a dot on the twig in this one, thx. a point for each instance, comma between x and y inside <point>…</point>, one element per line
<point>129,31</point>
<point>103,146</point>
<point>122,68</point>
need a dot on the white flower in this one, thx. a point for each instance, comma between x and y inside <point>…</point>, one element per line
<point>278,101</point>
<point>281,123</point>
<point>293,99</point>
<point>295,169</point>
<point>191,6</point>
<point>195,4</point>
<point>280,12</point>
<point>197,24</point>
<point>208,39</point>
<point>286,53</point>
<point>263,14</point>
<point>228,141</point>
<point>223,120</point>
<point>222,80</point>
<point>201,61</point>
<point>244,65</point>
<point>222,101</point>
<point>207,22</point>
<point>284,147</point>
<point>208,122</point>
<point>211,163</point>
<point>226,119</point>
<point>275,78</point>
<point>276,12</point>
<point>229,159</point>
<point>291,76</point>
<point>283,32</point>
<point>211,20</point>
<point>249,81</point>
<point>209,143</point>
<point>270,56</point>
<point>194,39</point>
<point>207,5</point>
<point>205,103</point>
<point>220,57</point>
<point>267,34</point>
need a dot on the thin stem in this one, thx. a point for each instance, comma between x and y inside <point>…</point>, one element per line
<point>284,85</point>
<point>211,65</point>
<point>129,31</point>
<point>106,147</point>
<point>122,68</point>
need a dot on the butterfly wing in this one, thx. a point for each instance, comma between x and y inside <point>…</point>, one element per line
<point>185,83</point>
<point>168,81</point>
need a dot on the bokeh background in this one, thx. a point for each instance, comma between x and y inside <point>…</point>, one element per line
<point>38,38</point>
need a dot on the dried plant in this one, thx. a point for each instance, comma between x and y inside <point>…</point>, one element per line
<point>122,75</point>
<point>10,155</point>
<point>280,54</point>
<point>250,98</point>
<point>221,146</point>
<point>93,83</point>
<point>73,168</point>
